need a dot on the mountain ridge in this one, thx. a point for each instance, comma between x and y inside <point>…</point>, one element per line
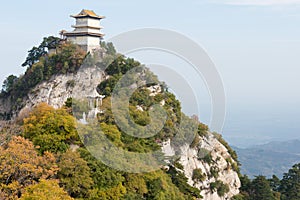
<point>273,157</point>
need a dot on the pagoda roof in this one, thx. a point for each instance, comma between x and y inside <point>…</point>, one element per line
<point>68,34</point>
<point>88,13</point>
<point>85,26</point>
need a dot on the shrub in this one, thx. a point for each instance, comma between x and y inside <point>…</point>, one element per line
<point>195,142</point>
<point>214,172</point>
<point>219,187</point>
<point>205,155</point>
<point>198,176</point>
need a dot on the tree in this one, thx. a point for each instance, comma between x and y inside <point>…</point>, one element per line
<point>37,52</point>
<point>45,190</point>
<point>160,186</point>
<point>69,58</point>
<point>135,183</point>
<point>103,176</point>
<point>261,189</point>
<point>245,183</point>
<point>109,47</point>
<point>274,183</point>
<point>33,56</point>
<point>20,166</point>
<point>180,180</point>
<point>290,184</point>
<point>51,129</point>
<point>9,83</point>
<point>74,174</point>
<point>121,65</point>
<point>50,42</point>
<point>113,193</point>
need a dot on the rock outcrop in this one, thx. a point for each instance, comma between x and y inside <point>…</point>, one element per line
<point>221,161</point>
<point>59,88</point>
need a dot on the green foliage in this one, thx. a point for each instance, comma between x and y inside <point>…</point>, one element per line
<point>141,97</point>
<point>172,103</point>
<point>103,176</point>
<point>245,183</point>
<point>239,197</point>
<point>69,103</point>
<point>136,184</point>
<point>45,190</point>
<point>70,83</point>
<point>8,83</point>
<point>139,117</point>
<point>68,59</point>
<point>220,187</point>
<point>111,184</point>
<point>223,189</point>
<point>290,183</point>
<point>79,106</point>
<point>232,164</point>
<point>230,150</point>
<point>160,187</point>
<point>112,132</point>
<point>74,174</point>
<point>208,158</point>
<point>195,142</point>
<point>52,130</point>
<point>109,47</point>
<point>180,180</point>
<point>37,52</point>
<point>80,174</point>
<point>204,155</point>
<point>260,189</point>
<point>198,175</point>
<point>274,183</point>
<point>114,193</point>
<point>214,171</point>
<point>42,66</point>
<point>178,165</point>
<point>202,129</point>
<point>139,144</point>
<point>121,65</point>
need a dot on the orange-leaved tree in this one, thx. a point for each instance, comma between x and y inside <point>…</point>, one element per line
<point>20,166</point>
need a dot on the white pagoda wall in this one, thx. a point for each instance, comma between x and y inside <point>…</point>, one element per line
<point>89,30</point>
<point>88,22</point>
<point>86,42</point>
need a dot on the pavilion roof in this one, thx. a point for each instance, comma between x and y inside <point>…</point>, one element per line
<point>88,13</point>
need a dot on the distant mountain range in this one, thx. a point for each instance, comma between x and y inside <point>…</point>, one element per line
<point>268,159</point>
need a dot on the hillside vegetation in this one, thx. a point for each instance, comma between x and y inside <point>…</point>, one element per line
<point>37,161</point>
<point>43,157</point>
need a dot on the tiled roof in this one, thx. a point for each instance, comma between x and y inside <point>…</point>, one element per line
<point>86,13</point>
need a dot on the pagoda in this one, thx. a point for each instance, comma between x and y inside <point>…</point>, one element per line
<point>86,32</point>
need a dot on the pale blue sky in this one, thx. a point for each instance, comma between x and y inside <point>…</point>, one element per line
<point>255,45</point>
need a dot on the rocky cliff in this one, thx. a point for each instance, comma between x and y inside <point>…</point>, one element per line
<point>57,90</point>
<point>210,157</point>
<point>215,163</point>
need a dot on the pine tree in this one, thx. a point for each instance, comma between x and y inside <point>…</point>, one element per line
<point>261,189</point>
<point>290,184</point>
